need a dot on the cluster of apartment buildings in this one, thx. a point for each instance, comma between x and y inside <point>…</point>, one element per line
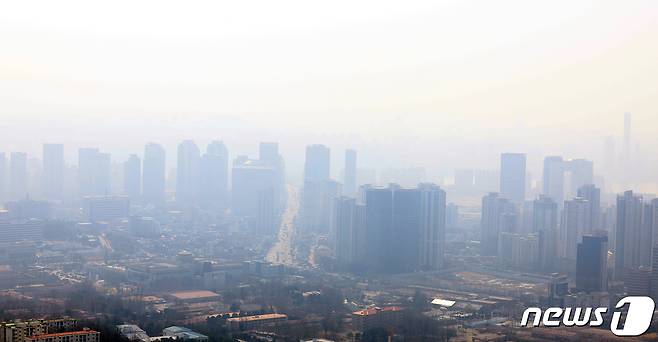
<point>46,330</point>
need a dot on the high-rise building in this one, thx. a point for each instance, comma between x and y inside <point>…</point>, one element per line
<point>432,226</point>
<point>592,194</point>
<point>213,176</point>
<point>527,216</point>
<point>592,264</point>
<point>348,228</point>
<point>269,152</point>
<point>379,228</point>
<point>648,231</point>
<point>132,177</point>
<point>575,223</point>
<point>553,178</point>
<point>153,176</point>
<point>548,248</point>
<point>453,220</point>
<point>342,228</point>
<point>405,228</point>
<point>654,221</point>
<point>628,234</point>
<point>509,222</point>
<point>349,188</point>
<point>253,184</point>
<point>94,174</point>
<point>513,176</point>
<point>53,171</point>
<point>521,251</point>
<point>34,177</point>
<point>319,190</point>
<point>581,172</point>
<point>316,200</point>
<point>637,281</point>
<point>18,175</point>
<point>544,214</point>
<point>496,211</point>
<point>654,273</point>
<point>266,219</point>
<point>544,224</point>
<point>505,241</point>
<point>4,184</point>
<point>187,173</point>
<point>381,251</point>
<point>317,163</point>
<point>269,155</point>
<point>258,188</point>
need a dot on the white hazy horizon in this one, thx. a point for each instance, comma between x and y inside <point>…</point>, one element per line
<point>443,85</point>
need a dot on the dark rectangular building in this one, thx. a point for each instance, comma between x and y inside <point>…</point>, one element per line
<point>592,264</point>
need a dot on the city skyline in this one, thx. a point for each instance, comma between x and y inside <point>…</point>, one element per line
<point>337,171</point>
<point>442,77</point>
<point>568,175</point>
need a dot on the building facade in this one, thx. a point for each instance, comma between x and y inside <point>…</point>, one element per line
<point>512,176</point>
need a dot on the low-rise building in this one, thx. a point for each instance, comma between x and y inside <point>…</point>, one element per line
<point>20,230</point>
<point>254,322</point>
<point>189,297</point>
<point>133,332</point>
<point>376,317</point>
<point>184,334</point>
<point>29,209</point>
<point>85,335</point>
<point>158,274</point>
<point>18,331</point>
<point>106,208</point>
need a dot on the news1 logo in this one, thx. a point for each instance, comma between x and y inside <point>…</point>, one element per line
<point>638,318</point>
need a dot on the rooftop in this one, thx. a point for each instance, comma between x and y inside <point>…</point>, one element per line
<point>194,294</point>
<point>257,317</point>
<point>376,310</point>
<point>176,329</point>
<point>70,333</point>
<point>443,302</point>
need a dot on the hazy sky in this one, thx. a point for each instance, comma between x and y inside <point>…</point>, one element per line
<point>416,82</point>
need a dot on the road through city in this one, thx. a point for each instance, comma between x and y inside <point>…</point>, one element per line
<point>282,251</point>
